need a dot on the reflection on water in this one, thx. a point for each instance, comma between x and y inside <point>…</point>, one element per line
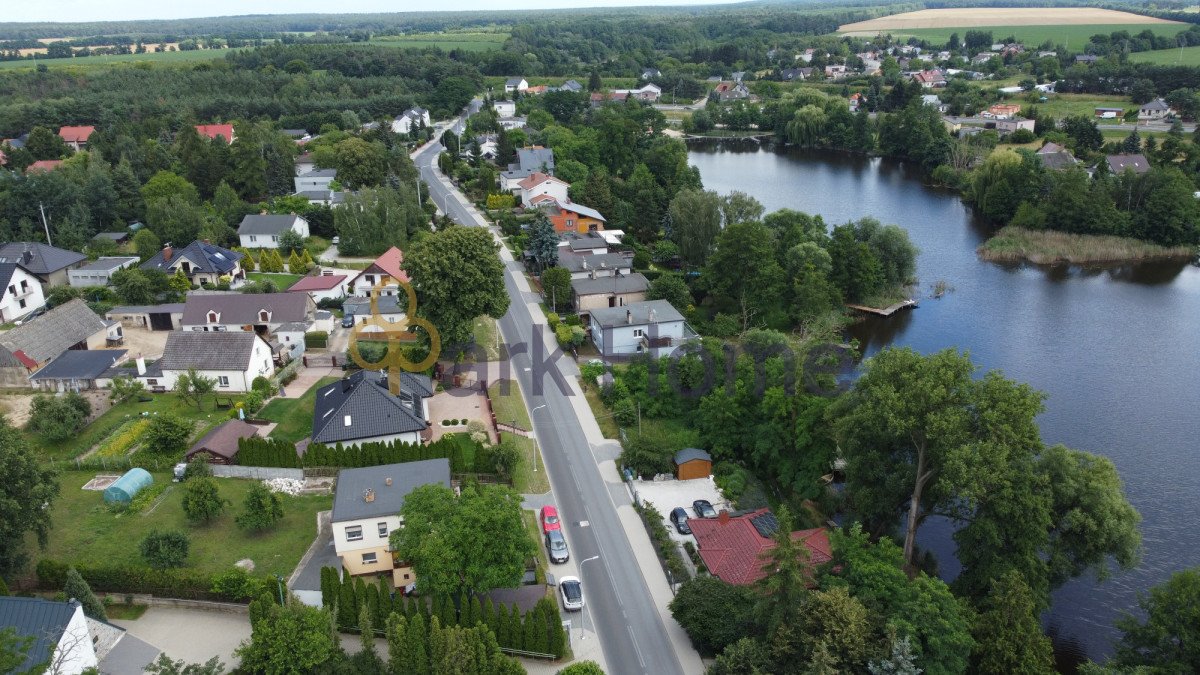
<point>1114,347</point>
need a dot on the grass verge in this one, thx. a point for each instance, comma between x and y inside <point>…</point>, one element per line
<point>1014,244</point>
<point>294,415</point>
<point>508,404</point>
<point>526,480</point>
<point>120,610</point>
<point>608,426</point>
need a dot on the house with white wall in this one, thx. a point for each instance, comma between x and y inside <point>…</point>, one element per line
<point>413,118</point>
<point>504,108</point>
<point>323,286</point>
<point>653,327</point>
<point>366,511</point>
<point>22,292</point>
<point>232,359</point>
<point>314,180</point>
<point>262,230</point>
<point>362,409</point>
<point>99,272</point>
<point>515,84</point>
<point>61,639</point>
<point>538,184</point>
<point>202,262</point>
<point>257,312</point>
<point>384,275</point>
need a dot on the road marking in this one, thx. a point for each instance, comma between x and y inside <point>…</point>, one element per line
<point>583,523</point>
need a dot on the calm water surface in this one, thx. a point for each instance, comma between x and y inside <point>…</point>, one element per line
<point>1116,350</point>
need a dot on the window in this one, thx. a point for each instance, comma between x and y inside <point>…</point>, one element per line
<point>354,533</point>
<point>213,317</point>
<point>222,380</point>
<point>264,316</point>
<point>274,239</point>
<point>370,558</point>
<point>637,332</point>
<point>24,286</point>
<point>383,529</point>
<point>22,303</point>
<point>151,381</point>
<point>370,279</point>
<point>12,289</point>
<point>253,238</point>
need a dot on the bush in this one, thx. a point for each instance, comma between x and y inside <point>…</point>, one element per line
<point>316,340</point>
<point>500,201</point>
<point>552,320</point>
<point>261,510</point>
<point>202,501</point>
<point>171,583</point>
<point>668,552</point>
<point>164,550</point>
<point>1021,136</point>
<point>590,371</point>
<point>167,434</point>
<point>252,403</point>
<point>57,418</point>
<point>237,584</point>
<point>263,385</point>
<point>331,303</point>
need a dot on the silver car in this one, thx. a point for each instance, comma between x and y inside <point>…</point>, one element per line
<point>556,547</point>
<point>571,591</point>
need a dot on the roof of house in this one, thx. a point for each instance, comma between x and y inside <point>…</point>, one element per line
<point>39,258</point>
<point>581,210</point>
<point>7,270</point>
<point>617,283</point>
<point>389,263</point>
<point>1118,163</point>
<point>331,196</point>
<point>583,263</point>
<point>1050,148</point>
<point>513,81</point>
<point>76,134</point>
<point>321,282</point>
<point>930,76</point>
<point>587,243</point>
<point>537,178</point>
<point>110,263</point>
<point>115,236</point>
<point>360,406</point>
<point>43,165</point>
<point>1062,159</point>
<point>214,130</point>
<point>304,158</point>
<point>1156,104</point>
<point>243,308</point>
<point>636,313</point>
<point>54,332</point>
<point>266,223</point>
<point>44,620</point>
<point>691,454</point>
<point>215,350</point>
<point>319,173</point>
<point>385,304</point>
<point>571,85</point>
<point>535,158</point>
<point>223,440</point>
<point>205,258</point>
<point>1005,107</point>
<point>78,364</point>
<point>165,308</point>
<point>732,548</point>
<point>386,486</point>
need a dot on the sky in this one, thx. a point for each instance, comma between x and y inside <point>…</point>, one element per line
<point>123,10</point>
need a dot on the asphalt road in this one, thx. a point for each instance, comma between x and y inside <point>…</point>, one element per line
<point>632,634</point>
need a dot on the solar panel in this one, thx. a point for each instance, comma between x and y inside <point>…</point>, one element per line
<point>766,524</point>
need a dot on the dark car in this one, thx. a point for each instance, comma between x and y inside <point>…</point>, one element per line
<point>556,547</point>
<point>679,518</point>
<point>704,509</point>
<point>348,321</point>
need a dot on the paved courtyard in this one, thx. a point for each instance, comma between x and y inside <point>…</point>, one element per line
<point>194,635</point>
<point>459,403</point>
<point>666,495</point>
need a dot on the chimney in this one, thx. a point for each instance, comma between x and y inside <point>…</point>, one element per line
<point>368,495</point>
<point>141,364</point>
<point>166,252</point>
<point>206,241</point>
<point>387,481</point>
<point>628,316</point>
<point>723,516</point>
<point>652,314</point>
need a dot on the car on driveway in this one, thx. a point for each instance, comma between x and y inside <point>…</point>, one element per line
<point>348,321</point>
<point>556,547</point>
<point>704,509</point>
<point>550,519</point>
<point>571,591</point>
<point>679,518</point>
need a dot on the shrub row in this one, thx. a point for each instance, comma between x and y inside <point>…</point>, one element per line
<point>272,452</point>
<point>316,340</point>
<point>668,552</point>
<point>170,583</point>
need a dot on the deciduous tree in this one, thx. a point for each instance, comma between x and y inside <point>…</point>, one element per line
<point>458,277</point>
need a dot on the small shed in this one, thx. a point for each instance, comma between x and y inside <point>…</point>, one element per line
<point>123,491</point>
<point>692,463</point>
<point>220,446</point>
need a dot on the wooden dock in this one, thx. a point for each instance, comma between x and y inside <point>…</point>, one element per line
<point>886,311</point>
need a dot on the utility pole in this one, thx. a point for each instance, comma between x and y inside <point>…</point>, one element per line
<point>45,224</point>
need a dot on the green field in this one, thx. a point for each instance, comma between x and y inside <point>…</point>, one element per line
<point>1073,36</point>
<point>1188,56</point>
<point>1063,105</point>
<point>473,42</point>
<point>160,58</point>
<point>282,280</point>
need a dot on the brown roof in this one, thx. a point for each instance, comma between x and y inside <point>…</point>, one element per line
<point>223,441</point>
<point>733,548</point>
<point>76,134</point>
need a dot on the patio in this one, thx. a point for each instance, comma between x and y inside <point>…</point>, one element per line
<point>459,403</point>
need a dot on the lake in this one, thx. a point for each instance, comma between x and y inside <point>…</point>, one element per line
<point>1116,349</point>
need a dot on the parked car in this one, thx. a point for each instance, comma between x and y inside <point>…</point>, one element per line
<point>556,547</point>
<point>571,591</point>
<point>348,321</point>
<point>704,509</point>
<point>679,518</point>
<point>550,519</point>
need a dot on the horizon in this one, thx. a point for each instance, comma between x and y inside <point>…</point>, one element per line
<point>86,11</point>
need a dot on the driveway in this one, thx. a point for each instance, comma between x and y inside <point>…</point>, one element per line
<point>459,403</point>
<point>194,635</point>
<point>667,494</point>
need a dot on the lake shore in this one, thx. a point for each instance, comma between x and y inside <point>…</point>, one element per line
<point>1047,247</point>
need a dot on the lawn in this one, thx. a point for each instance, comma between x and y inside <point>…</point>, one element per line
<point>160,58</point>
<point>1063,105</point>
<point>526,480</point>
<point>508,404</point>
<point>487,336</point>
<point>294,415</point>
<point>1187,56</point>
<point>281,280</point>
<point>608,426</point>
<point>86,532</point>
<point>471,42</point>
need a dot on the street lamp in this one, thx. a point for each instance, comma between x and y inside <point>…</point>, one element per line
<point>279,582</point>
<point>535,452</point>
<point>585,609</point>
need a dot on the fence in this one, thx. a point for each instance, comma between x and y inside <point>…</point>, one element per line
<point>257,472</point>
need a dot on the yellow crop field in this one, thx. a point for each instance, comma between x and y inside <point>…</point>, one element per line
<point>998,16</point>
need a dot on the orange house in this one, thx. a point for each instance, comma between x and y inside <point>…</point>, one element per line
<point>1004,110</point>
<point>567,216</point>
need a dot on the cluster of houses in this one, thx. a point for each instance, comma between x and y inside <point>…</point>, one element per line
<point>76,138</point>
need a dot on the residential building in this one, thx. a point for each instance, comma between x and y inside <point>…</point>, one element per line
<point>528,161</point>
<point>1154,111</point>
<point>99,272</point>
<point>71,325</point>
<point>488,146</point>
<point>835,72</point>
<point>1056,157</point>
<point>61,636</point>
<point>930,78</point>
<point>48,263</point>
<point>1003,111</point>
<point>76,137</point>
<point>369,312</point>
<point>80,370</point>
<point>1007,126</point>
<point>587,266</point>
<point>505,108</point>
<point>361,409</point>
<point>258,312</point>
<point>411,120</point>
<point>220,446</point>
<point>789,74</point>
<point>316,179</point>
<point>571,86</point>
<point>567,216</point>
<point>651,73</point>
<point>233,359</point>
<point>647,92</point>
<point>738,75</point>
<point>322,197</point>
<point>301,136</point>
<point>603,292</point>
<point>592,243</point>
<point>22,292</point>
<point>263,230</point>
<point>168,316</point>
<point>323,286</point>
<point>305,163</point>
<point>514,84</point>
<point>1118,164</point>
<point>730,91</point>
<point>383,276</point>
<point>510,123</point>
<point>983,57</point>
<point>1086,59</point>
<point>366,510</point>
<point>43,166</point>
<point>653,327</point>
<point>538,184</point>
<point>202,262</point>
<point>733,547</point>
<point>215,131</point>
<point>933,101</point>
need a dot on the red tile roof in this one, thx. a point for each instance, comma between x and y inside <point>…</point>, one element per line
<point>214,130</point>
<point>318,283</point>
<point>75,134</point>
<point>732,550</point>
<point>537,178</point>
<point>388,263</point>
<point>44,165</point>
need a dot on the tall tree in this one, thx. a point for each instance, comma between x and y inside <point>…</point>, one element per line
<point>77,588</point>
<point>543,242</point>
<point>27,487</point>
<point>788,574</point>
<point>293,638</point>
<point>695,223</point>
<point>1008,635</point>
<point>742,274</point>
<point>1168,639</point>
<point>458,277</point>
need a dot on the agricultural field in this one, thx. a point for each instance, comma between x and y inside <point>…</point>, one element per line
<point>474,42</point>
<point>1063,105</point>
<point>1033,26</point>
<point>161,58</point>
<point>1188,56</point>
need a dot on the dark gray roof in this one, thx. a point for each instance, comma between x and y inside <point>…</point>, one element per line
<point>622,283</point>
<point>43,619</point>
<point>78,364</point>
<point>112,263</point>
<point>1118,163</point>
<point>55,331</point>
<point>39,258</point>
<point>217,350</point>
<point>319,173</point>
<point>130,655</point>
<point>689,454</point>
<point>583,263</point>
<point>295,133</point>
<point>1057,160</point>
<point>349,502</point>
<point>513,81</point>
<point>587,243</point>
<point>1156,104</point>
<point>257,223</point>
<point>205,258</point>
<point>571,85</point>
<point>323,195</point>
<point>6,273</point>
<point>533,159</point>
<point>115,236</point>
<point>243,308</point>
<point>360,406</point>
<point>388,304</point>
<point>639,311</point>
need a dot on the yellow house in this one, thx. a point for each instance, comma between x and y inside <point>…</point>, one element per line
<point>366,510</point>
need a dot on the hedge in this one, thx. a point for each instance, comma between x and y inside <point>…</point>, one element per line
<point>665,546</point>
<point>316,340</point>
<point>171,583</point>
<point>272,452</point>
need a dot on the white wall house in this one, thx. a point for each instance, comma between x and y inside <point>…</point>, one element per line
<point>653,326</point>
<point>323,286</point>
<point>261,312</point>
<point>361,409</point>
<point>99,272</point>
<point>411,119</point>
<point>316,179</point>
<point>515,84</point>
<point>22,292</point>
<point>505,108</point>
<point>382,276</point>
<point>61,639</point>
<point>538,184</point>
<point>262,230</point>
<point>232,359</point>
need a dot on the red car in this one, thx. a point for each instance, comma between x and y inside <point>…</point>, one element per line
<point>550,519</point>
